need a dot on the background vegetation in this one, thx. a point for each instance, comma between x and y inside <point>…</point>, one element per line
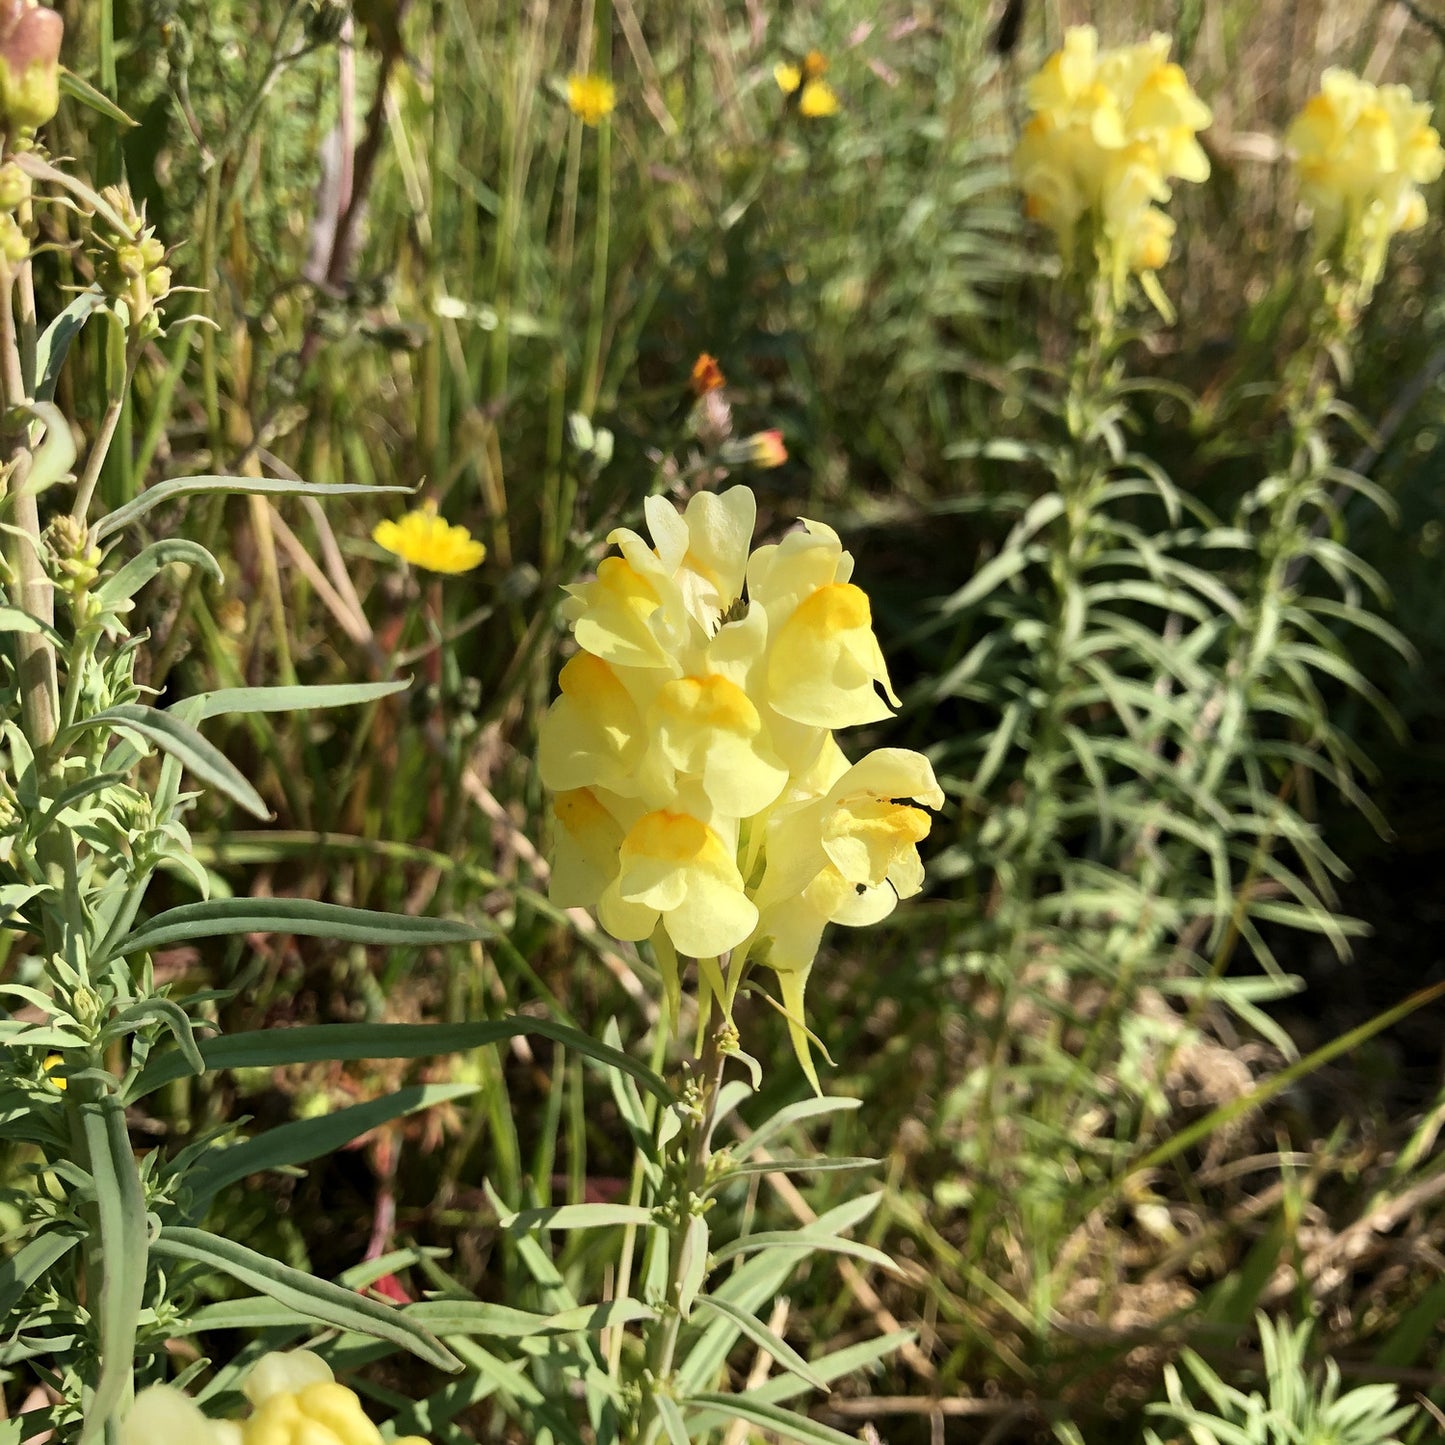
<point>413,264</point>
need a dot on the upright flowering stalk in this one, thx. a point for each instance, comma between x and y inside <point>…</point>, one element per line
<point>701,799</point>
<point>1361,152</point>
<point>1109,131</point>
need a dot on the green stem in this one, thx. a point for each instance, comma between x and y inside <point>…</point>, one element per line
<point>662,1341</point>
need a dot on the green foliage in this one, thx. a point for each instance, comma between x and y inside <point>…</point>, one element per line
<point>1299,1407</point>
<point>1146,638</point>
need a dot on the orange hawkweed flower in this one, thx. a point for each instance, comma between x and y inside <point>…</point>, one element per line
<point>707,375</point>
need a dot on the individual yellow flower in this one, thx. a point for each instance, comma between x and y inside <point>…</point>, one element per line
<point>1361,154</point>
<point>677,870</point>
<point>824,666</point>
<point>591,98</point>
<point>707,375</point>
<point>53,1063</point>
<point>593,734</point>
<point>426,540</point>
<point>590,826</point>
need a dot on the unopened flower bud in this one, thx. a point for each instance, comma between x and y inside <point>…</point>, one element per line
<point>129,262</point>
<point>14,186</point>
<point>14,246</point>
<point>74,559</point>
<point>153,251</point>
<point>118,198</point>
<point>762,449</point>
<point>158,283</point>
<point>30,39</point>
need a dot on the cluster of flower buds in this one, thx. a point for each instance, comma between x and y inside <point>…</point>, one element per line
<point>132,264</point>
<point>699,794</point>
<point>30,37</point>
<point>295,1400</point>
<point>1361,154</point>
<point>14,213</point>
<point>73,561</point>
<point>1110,129</point>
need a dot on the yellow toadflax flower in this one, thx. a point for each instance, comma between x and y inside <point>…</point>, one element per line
<point>1109,131</point>
<point>699,795</point>
<point>591,98</point>
<point>295,1400</point>
<point>1361,154</point>
<point>427,540</point>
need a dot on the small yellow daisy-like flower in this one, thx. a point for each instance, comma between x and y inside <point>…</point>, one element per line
<point>427,540</point>
<point>707,374</point>
<point>591,97</point>
<point>818,99</point>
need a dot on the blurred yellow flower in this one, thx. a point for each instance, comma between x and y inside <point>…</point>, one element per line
<point>52,1063</point>
<point>591,98</point>
<point>426,540</point>
<point>163,1415</point>
<point>698,788</point>
<point>815,97</point>
<point>1361,153</point>
<point>296,1401</point>
<point>1109,131</point>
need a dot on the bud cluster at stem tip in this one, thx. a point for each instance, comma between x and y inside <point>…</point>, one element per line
<point>699,792</point>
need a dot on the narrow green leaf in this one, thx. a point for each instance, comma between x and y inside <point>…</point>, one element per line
<point>133,511</point>
<point>793,1114</point>
<point>807,1242</point>
<point>82,90</point>
<point>318,1299</point>
<point>673,1425</point>
<point>120,1205</point>
<point>202,759</point>
<point>834,1366</point>
<point>342,1043</point>
<point>122,585</point>
<point>823,1164</point>
<point>29,1264</point>
<point>14,620</point>
<point>306,1139</point>
<point>773,1418</point>
<point>475,1317</point>
<point>54,341</point>
<point>232,701</point>
<point>765,1339</point>
<point>576,1216</point>
<point>220,917</point>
